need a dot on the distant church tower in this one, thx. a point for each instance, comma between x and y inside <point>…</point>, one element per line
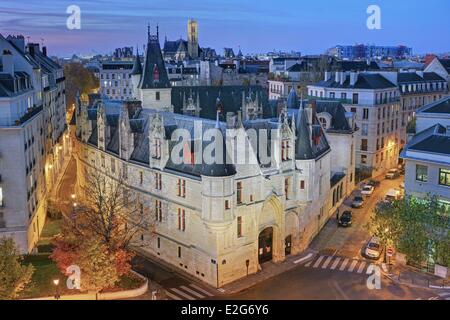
<point>193,38</point>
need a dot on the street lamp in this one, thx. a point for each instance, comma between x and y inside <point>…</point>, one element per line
<point>56,283</point>
<point>385,246</point>
<point>73,196</point>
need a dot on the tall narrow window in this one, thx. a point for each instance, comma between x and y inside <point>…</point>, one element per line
<point>239,227</point>
<point>157,148</point>
<point>302,184</point>
<point>181,188</point>
<point>141,177</point>
<point>181,219</point>
<point>179,252</point>
<point>158,181</point>
<point>158,210</point>
<point>239,193</point>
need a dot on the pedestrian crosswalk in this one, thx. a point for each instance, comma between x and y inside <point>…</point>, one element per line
<point>444,295</point>
<point>338,264</point>
<point>188,292</point>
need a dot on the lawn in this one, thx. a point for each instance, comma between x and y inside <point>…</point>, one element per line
<point>46,271</point>
<point>44,274</point>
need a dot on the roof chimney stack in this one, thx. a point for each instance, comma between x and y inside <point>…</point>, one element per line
<point>44,51</point>
<point>8,62</point>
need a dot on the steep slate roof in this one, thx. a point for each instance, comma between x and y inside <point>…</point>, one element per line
<point>311,142</point>
<point>339,121</point>
<point>230,97</point>
<point>434,139</point>
<point>351,65</point>
<point>439,106</point>
<point>411,77</point>
<point>154,67</point>
<point>137,65</point>
<point>365,81</point>
<point>446,64</point>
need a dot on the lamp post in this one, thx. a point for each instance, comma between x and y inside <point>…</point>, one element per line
<point>56,283</point>
<point>385,246</point>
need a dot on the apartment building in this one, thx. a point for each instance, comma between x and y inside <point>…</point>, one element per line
<point>115,79</point>
<point>375,102</point>
<point>33,143</point>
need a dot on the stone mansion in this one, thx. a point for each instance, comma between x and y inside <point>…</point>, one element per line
<point>222,221</point>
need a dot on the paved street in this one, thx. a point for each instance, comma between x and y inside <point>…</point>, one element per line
<point>348,242</point>
<point>306,283</point>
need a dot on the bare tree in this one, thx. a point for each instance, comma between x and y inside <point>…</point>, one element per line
<point>112,212</point>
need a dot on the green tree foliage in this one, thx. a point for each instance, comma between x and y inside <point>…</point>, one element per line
<point>78,79</point>
<point>97,265</point>
<point>13,275</point>
<point>419,228</point>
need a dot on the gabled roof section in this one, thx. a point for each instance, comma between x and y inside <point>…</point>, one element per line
<point>445,63</point>
<point>435,139</point>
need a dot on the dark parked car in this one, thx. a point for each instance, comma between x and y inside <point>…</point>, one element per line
<point>345,220</point>
<point>373,183</point>
<point>358,202</point>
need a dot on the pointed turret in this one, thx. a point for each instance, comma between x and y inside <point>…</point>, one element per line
<point>137,66</point>
<point>154,66</point>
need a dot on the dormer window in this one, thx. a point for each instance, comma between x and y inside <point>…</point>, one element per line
<point>323,123</point>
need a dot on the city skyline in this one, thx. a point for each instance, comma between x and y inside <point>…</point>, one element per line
<point>305,27</point>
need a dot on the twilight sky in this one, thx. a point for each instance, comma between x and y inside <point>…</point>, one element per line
<point>309,26</point>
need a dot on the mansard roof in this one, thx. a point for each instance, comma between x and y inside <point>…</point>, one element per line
<point>371,81</point>
<point>154,74</point>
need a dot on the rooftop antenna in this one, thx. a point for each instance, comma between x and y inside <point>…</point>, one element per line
<point>157,30</point>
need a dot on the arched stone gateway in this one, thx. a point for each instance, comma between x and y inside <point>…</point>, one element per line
<point>271,240</point>
<point>265,245</point>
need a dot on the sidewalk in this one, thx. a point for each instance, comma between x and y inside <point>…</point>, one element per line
<point>269,270</point>
<point>405,275</point>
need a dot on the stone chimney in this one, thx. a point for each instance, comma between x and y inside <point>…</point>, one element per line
<point>44,51</point>
<point>327,75</point>
<point>353,78</point>
<point>8,62</point>
<point>337,76</point>
<point>342,78</point>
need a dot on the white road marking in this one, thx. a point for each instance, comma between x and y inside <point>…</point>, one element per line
<point>352,266</point>
<point>182,293</point>
<point>318,261</point>
<point>201,290</point>
<point>344,264</point>
<point>309,255</point>
<point>173,296</point>
<point>335,263</point>
<point>361,267</point>
<point>327,262</point>
<point>198,295</point>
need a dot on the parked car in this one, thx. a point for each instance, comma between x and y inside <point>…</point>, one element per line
<point>345,220</point>
<point>392,194</point>
<point>358,202</point>
<point>392,174</point>
<point>373,183</point>
<point>373,248</point>
<point>367,190</point>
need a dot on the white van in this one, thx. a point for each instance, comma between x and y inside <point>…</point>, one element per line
<point>392,194</point>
